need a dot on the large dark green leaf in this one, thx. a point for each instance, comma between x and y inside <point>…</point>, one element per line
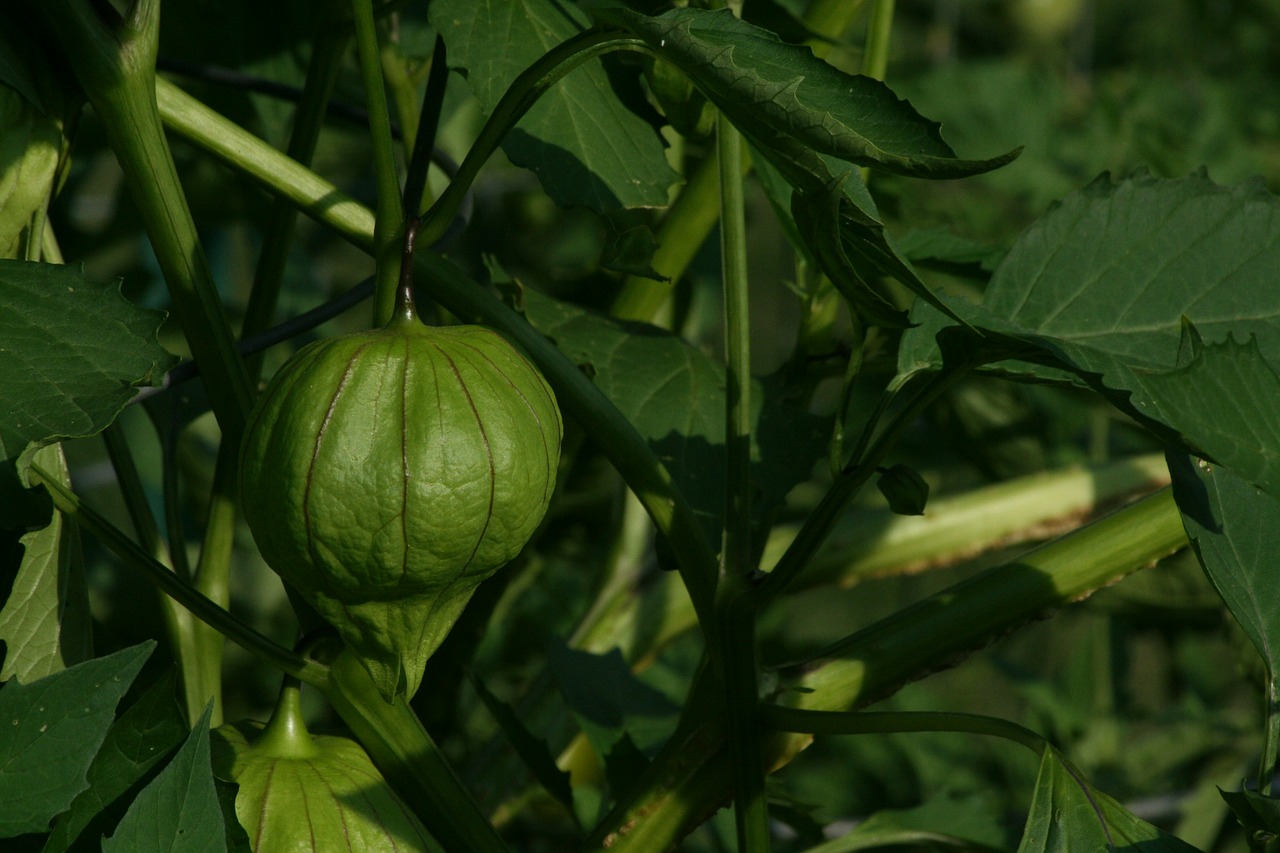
<point>585,146</point>
<point>1123,283</point>
<point>52,730</point>
<point>674,395</point>
<point>768,87</point>
<point>141,738</point>
<point>71,355</point>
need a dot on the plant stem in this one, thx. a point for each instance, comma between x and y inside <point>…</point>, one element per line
<point>199,606</point>
<point>203,679</point>
<point>390,218</point>
<point>800,721</point>
<point>115,65</point>
<point>820,522</point>
<point>879,28</point>
<point>734,641</point>
<point>875,61</point>
<point>415,183</point>
<point>409,758</point>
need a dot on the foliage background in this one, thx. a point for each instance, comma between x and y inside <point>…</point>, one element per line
<point>1142,685</point>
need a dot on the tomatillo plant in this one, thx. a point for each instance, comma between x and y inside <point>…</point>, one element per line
<point>574,524</point>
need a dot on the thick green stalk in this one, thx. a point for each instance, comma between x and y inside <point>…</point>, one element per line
<point>876,60</point>
<point>115,65</point>
<point>680,235</point>
<point>874,663</point>
<point>390,216</point>
<point>396,741</point>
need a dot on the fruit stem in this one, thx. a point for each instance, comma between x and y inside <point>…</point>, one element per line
<point>406,310</point>
<point>286,734</point>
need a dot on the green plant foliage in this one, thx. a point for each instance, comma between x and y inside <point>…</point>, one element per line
<point>1069,814</point>
<point>178,810</point>
<point>985,307</point>
<point>585,146</point>
<point>770,87</point>
<point>53,729</point>
<point>45,622</point>
<point>75,352</point>
<point>139,740</point>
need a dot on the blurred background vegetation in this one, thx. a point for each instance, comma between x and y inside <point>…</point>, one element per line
<point>1148,686</point>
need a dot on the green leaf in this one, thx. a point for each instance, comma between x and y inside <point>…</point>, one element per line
<point>30,145</point>
<point>968,821</point>
<point>768,87</point>
<point>674,395</point>
<point>609,702</point>
<point>584,145</point>
<point>45,623</point>
<point>1235,531</point>
<point>72,353</point>
<point>1069,815</point>
<point>1256,813</point>
<point>31,141</point>
<point>1108,285</point>
<point>1226,402</point>
<point>50,731</point>
<point>146,734</point>
<point>904,489</point>
<point>533,750</point>
<point>179,811</point>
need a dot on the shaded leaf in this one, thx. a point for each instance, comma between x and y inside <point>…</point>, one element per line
<point>609,702</point>
<point>582,143</point>
<point>1069,815</point>
<point>1235,531</point>
<point>1108,285</point>
<point>179,811</point>
<point>904,489</point>
<point>143,736</point>
<point>45,623</point>
<point>674,395</point>
<point>72,353</point>
<point>533,750</point>
<point>50,731</point>
<point>1256,813</point>
<point>768,87</point>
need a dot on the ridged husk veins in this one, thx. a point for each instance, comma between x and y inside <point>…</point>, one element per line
<point>385,474</point>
